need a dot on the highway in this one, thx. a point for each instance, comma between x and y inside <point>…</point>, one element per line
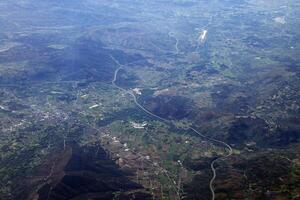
<point>215,141</point>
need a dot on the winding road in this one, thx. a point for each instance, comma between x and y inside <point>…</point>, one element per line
<point>219,142</point>
<point>171,34</point>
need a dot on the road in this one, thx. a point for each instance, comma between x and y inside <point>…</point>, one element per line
<point>171,34</point>
<point>215,141</point>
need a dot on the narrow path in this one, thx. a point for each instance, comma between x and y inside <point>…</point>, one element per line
<point>219,142</point>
